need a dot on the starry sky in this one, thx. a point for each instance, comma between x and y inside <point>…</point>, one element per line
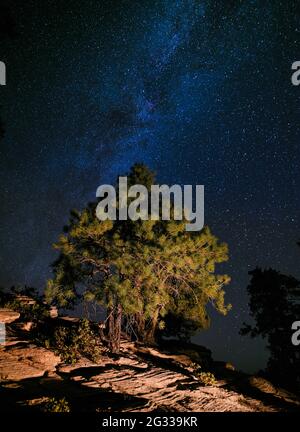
<point>200,90</point>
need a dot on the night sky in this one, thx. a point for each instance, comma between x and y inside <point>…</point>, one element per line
<point>199,90</point>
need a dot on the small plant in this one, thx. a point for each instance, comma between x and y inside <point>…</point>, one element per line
<point>72,343</point>
<point>207,378</point>
<point>57,405</point>
<point>29,312</point>
<point>35,311</point>
<point>196,368</point>
<point>65,343</point>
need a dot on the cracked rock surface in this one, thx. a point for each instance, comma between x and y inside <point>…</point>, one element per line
<point>140,379</point>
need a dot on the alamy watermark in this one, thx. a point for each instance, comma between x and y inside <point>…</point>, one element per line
<point>296,335</point>
<point>295,78</point>
<point>2,333</point>
<point>2,73</point>
<point>161,202</point>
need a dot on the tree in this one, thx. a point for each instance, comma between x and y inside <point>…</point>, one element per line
<point>274,307</point>
<point>139,271</point>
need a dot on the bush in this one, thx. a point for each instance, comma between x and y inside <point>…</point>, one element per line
<point>57,405</point>
<point>207,378</point>
<point>29,312</point>
<point>72,343</point>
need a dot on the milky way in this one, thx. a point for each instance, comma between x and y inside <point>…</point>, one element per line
<point>198,90</point>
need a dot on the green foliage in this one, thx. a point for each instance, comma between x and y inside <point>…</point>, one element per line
<point>71,343</point>
<point>207,378</point>
<point>145,270</point>
<point>57,405</point>
<point>29,312</point>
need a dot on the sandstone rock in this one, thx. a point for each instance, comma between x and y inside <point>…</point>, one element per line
<point>229,366</point>
<point>27,326</point>
<point>222,366</point>
<point>8,316</point>
<point>68,320</point>
<point>129,382</point>
<point>26,300</point>
<point>196,353</point>
<point>262,384</point>
<point>18,363</point>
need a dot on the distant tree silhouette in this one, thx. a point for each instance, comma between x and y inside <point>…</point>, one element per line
<point>274,307</point>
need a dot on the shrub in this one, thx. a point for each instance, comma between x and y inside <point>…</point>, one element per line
<point>207,378</point>
<point>73,342</point>
<point>35,312</point>
<point>57,405</point>
<point>29,312</point>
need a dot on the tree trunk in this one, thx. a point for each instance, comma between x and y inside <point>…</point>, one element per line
<point>118,327</point>
<point>114,328</point>
<point>140,326</point>
<point>150,333</point>
<point>101,327</point>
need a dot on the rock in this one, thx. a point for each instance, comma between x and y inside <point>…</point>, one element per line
<point>27,326</point>
<point>141,379</point>
<point>82,363</point>
<point>68,320</point>
<point>262,384</point>
<point>222,366</point>
<point>229,366</point>
<point>8,316</point>
<point>18,363</point>
<point>196,353</point>
<point>24,299</point>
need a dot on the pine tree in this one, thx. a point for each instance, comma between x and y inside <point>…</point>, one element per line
<point>139,271</point>
<point>274,306</point>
